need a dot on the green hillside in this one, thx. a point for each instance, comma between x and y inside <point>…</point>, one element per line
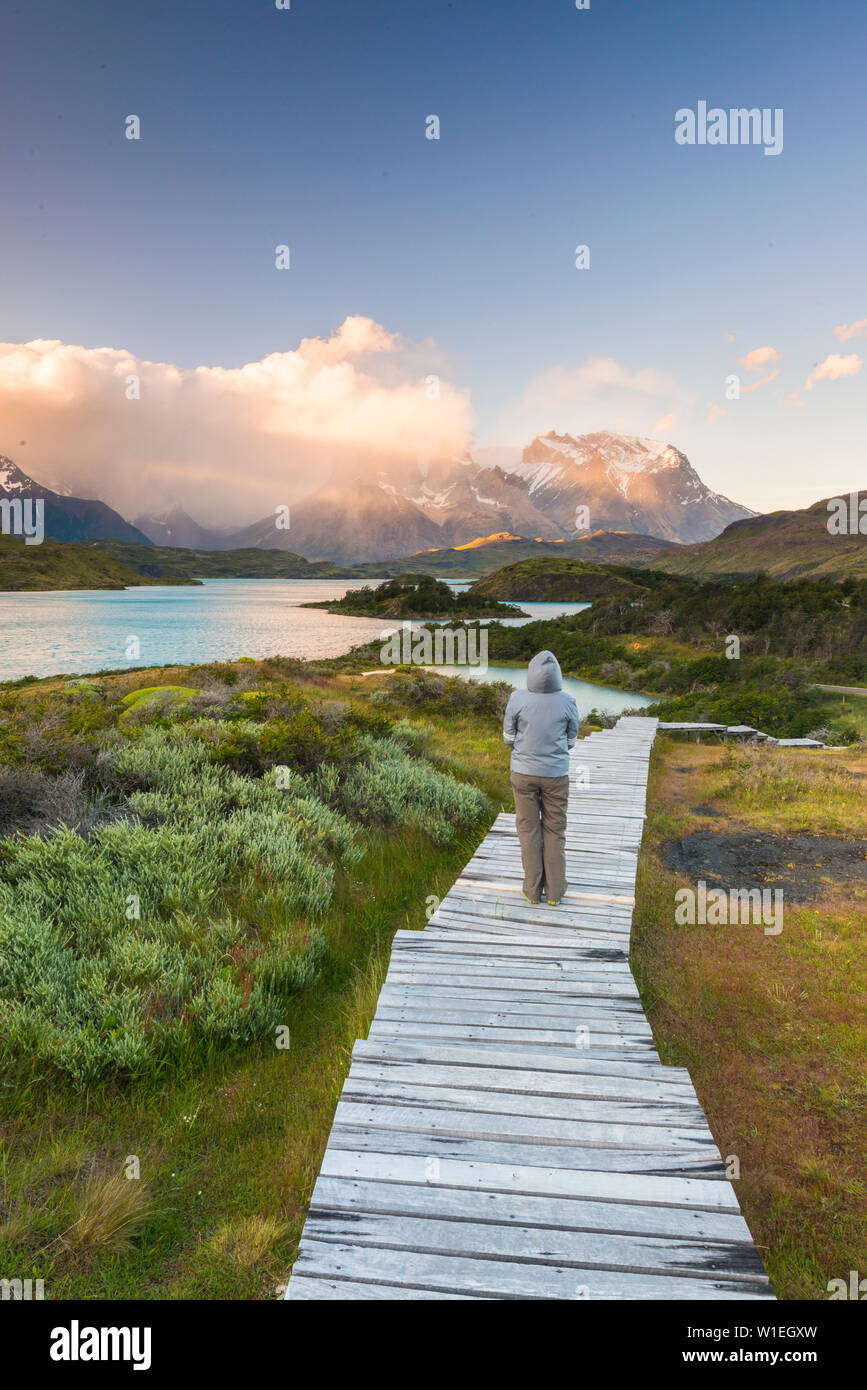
<point>553,580</point>
<point>249,563</point>
<point>785,545</point>
<point>67,565</point>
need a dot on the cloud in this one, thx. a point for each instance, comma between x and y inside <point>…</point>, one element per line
<point>715,412</point>
<point>227,443</point>
<point>858,329</point>
<point>763,381</point>
<point>833,367</point>
<point>666,424</point>
<point>760,357</point>
<point>598,394</point>
<point>730,337</point>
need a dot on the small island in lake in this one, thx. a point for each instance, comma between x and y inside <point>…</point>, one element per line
<point>417,596</point>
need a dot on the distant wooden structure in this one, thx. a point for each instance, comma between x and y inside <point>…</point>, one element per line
<point>744,732</point>
<point>507,1130</point>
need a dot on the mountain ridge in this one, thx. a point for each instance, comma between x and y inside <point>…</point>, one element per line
<point>786,544</point>
<point>67,518</point>
<point>628,484</point>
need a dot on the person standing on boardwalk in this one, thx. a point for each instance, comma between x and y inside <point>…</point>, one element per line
<point>540,726</point>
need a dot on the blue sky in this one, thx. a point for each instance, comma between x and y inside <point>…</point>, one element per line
<point>307,127</point>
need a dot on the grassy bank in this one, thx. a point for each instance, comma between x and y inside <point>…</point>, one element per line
<point>219,1122</point>
<point>772,1029</point>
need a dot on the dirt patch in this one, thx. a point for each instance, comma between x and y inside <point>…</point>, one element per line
<point>804,866</point>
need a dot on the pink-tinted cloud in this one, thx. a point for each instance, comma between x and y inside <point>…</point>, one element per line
<point>763,381</point>
<point>844,331</point>
<point>834,367</point>
<point>666,424</point>
<point>760,357</point>
<point>229,444</point>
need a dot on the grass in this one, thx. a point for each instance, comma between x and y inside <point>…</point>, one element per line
<point>772,1029</point>
<point>230,1153</point>
<point>224,1149</point>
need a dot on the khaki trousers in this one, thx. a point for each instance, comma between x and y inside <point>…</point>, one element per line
<point>540,814</point>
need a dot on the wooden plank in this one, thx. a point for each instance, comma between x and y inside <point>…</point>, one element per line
<point>560,1213</point>
<point>511,1242</point>
<point>304,1288</point>
<point>455,1097</point>
<point>496,1278</point>
<point>685,1162</point>
<point>585,1084</point>
<point>473,1012</point>
<point>593,1036</point>
<point>506,1128</point>
<point>648,1189</point>
<point>559,1064</point>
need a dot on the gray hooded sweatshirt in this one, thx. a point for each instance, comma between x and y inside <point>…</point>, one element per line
<point>541,722</point>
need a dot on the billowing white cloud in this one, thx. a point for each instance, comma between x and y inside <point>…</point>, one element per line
<point>833,367</point>
<point>598,394</point>
<point>227,443</point>
<point>858,329</point>
<point>760,357</point>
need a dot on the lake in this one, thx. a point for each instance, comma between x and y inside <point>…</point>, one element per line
<point>80,631</point>
<point>45,634</point>
<point>603,698</point>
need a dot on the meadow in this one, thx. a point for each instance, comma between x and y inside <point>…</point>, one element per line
<point>771,1028</point>
<point>200,878</point>
<point>201,871</point>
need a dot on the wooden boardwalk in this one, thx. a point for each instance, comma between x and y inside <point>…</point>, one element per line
<point>508,1130</point>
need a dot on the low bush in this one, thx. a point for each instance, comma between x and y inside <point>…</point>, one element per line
<point>166,898</point>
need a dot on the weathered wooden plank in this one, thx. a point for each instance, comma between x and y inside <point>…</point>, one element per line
<point>511,1242</point>
<point>497,1278</point>
<point>559,1063</point>
<point>385,1088</point>
<point>304,1288</point>
<point>560,1213</point>
<point>591,1038</point>
<point>649,1189</point>
<point>586,1084</point>
<point>505,1128</point>
<point>474,1013</point>
<point>684,1162</point>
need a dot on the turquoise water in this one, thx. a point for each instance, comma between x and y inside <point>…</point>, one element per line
<point>534,611</point>
<point>80,631</point>
<point>603,698</point>
<point>88,630</point>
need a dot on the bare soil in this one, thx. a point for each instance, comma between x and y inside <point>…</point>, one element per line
<point>804,866</point>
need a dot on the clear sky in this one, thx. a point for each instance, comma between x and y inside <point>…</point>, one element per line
<point>307,127</point>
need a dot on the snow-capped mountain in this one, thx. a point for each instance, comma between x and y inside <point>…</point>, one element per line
<point>636,485</point>
<point>401,510</point>
<point>67,518</point>
<point>626,483</point>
